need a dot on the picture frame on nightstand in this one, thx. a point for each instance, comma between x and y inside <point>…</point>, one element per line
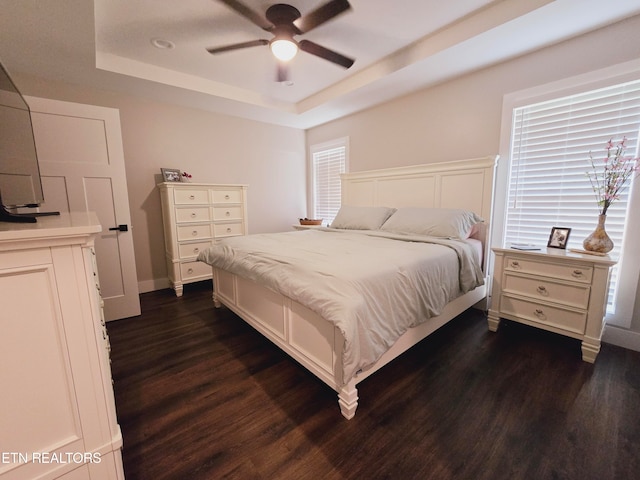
<point>559,237</point>
<point>170,174</point>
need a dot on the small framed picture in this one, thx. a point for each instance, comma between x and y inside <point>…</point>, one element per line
<point>559,237</point>
<point>170,174</point>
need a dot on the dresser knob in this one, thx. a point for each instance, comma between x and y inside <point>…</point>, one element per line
<point>539,313</point>
<point>196,250</point>
<point>227,213</point>
<point>577,273</point>
<point>194,233</point>
<point>229,230</point>
<point>192,197</point>
<point>515,264</point>
<point>190,271</point>
<point>542,290</point>
<point>193,215</point>
<point>227,197</point>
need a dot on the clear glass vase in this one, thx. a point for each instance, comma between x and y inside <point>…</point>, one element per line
<point>598,241</point>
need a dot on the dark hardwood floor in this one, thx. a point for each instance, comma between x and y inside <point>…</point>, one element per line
<point>201,395</point>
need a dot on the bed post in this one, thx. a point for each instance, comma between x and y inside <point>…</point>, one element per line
<point>348,400</point>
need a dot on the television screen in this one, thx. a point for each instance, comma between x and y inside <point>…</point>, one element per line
<point>20,183</point>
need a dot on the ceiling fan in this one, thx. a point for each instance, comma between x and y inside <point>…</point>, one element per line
<point>284,22</point>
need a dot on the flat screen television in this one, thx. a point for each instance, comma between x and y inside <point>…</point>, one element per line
<point>20,183</point>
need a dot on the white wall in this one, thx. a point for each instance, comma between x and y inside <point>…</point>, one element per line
<point>213,148</point>
<point>462,117</point>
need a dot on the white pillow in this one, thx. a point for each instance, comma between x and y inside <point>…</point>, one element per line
<point>361,218</point>
<point>435,222</point>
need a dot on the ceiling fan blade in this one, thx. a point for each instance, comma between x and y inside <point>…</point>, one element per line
<point>282,72</point>
<point>322,52</point>
<point>321,15</point>
<point>237,46</point>
<point>249,14</point>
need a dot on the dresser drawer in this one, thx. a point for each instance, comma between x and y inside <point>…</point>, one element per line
<point>194,232</point>
<point>190,196</point>
<point>227,196</point>
<point>569,320</point>
<point>192,270</point>
<point>188,250</point>
<point>575,273</point>
<point>228,213</point>
<point>228,229</point>
<point>193,214</point>
<point>544,289</point>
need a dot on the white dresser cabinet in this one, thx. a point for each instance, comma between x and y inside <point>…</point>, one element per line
<point>555,290</point>
<point>57,408</point>
<point>195,215</point>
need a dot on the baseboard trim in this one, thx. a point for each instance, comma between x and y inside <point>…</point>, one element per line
<point>621,337</point>
<point>146,286</point>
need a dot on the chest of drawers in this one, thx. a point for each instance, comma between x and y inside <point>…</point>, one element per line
<point>554,290</point>
<point>196,215</point>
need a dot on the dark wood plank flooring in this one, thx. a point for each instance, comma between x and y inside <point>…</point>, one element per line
<point>201,395</point>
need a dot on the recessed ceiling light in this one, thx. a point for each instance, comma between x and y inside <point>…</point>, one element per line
<point>162,43</point>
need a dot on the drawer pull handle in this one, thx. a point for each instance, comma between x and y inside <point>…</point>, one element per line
<point>229,230</point>
<point>539,313</point>
<point>228,213</point>
<point>196,250</point>
<point>192,197</point>
<point>577,273</point>
<point>190,271</point>
<point>194,215</point>
<point>515,264</point>
<point>542,290</point>
<point>194,233</point>
<point>227,197</point>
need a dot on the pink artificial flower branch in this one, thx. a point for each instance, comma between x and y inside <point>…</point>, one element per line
<point>610,180</point>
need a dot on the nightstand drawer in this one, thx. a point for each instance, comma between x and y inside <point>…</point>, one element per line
<point>227,196</point>
<point>191,270</point>
<point>194,232</point>
<point>543,289</point>
<point>228,229</point>
<point>565,319</point>
<point>576,273</point>
<point>192,214</point>
<point>191,196</point>
<point>227,213</point>
<point>187,250</point>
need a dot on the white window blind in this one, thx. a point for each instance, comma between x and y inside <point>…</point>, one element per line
<point>328,163</point>
<point>550,146</point>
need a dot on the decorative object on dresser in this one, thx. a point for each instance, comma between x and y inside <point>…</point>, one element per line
<point>170,174</point>
<point>556,290</point>
<point>608,181</point>
<point>195,215</point>
<point>57,408</point>
<point>559,237</point>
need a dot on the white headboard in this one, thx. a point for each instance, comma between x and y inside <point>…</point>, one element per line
<point>466,184</point>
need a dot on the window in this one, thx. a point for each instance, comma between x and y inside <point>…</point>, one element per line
<point>550,144</point>
<point>328,161</point>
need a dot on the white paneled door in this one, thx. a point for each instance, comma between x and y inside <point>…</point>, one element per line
<point>82,167</point>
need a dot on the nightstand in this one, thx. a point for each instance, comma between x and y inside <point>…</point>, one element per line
<point>552,289</point>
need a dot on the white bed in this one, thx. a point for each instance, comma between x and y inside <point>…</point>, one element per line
<point>320,343</point>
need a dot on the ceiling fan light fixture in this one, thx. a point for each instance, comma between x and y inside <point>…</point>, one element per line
<point>283,49</point>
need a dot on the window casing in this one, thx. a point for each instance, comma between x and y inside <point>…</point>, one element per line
<point>550,137</point>
<point>328,162</point>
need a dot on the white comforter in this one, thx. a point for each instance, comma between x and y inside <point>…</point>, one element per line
<point>373,286</point>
